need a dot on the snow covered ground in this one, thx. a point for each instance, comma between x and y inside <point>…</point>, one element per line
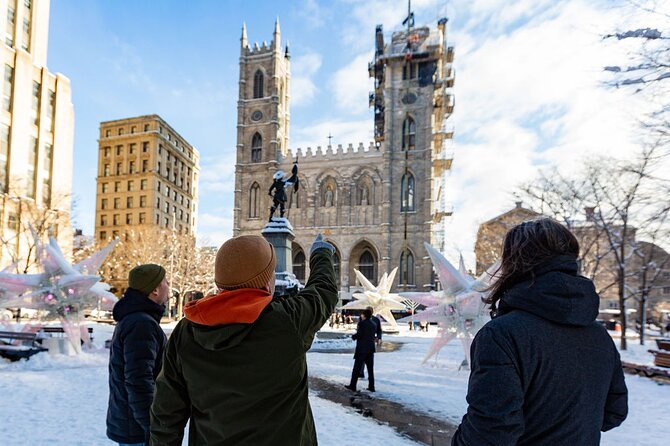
<point>59,400</point>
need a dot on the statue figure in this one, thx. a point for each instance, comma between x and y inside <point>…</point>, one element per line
<point>364,196</point>
<point>329,196</point>
<point>278,185</point>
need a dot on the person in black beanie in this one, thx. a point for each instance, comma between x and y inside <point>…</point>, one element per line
<point>136,354</point>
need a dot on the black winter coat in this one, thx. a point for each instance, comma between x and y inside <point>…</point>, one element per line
<point>365,338</point>
<point>135,359</point>
<point>543,371</point>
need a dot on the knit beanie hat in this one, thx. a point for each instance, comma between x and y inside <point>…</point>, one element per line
<point>145,278</point>
<point>247,261</point>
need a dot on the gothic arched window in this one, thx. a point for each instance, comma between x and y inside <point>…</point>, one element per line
<point>406,268</point>
<point>408,134</point>
<point>254,200</point>
<point>258,84</point>
<point>407,192</point>
<point>366,265</point>
<point>299,266</point>
<point>256,148</point>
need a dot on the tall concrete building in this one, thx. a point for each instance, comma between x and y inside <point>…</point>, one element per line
<point>377,203</point>
<point>147,178</point>
<point>36,134</point>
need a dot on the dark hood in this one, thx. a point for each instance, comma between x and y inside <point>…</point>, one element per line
<point>134,301</point>
<point>555,292</point>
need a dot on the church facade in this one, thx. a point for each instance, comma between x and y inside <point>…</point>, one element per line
<point>376,203</point>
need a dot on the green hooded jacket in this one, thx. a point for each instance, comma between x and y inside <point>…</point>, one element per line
<point>236,366</point>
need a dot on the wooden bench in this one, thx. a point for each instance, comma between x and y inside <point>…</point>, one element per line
<point>61,331</point>
<point>19,345</point>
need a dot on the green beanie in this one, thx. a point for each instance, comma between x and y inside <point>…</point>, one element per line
<point>146,278</point>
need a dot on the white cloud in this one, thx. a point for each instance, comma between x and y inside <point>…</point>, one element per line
<point>351,85</point>
<point>214,229</point>
<point>304,68</point>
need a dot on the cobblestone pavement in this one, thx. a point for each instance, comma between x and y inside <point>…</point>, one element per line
<point>415,425</point>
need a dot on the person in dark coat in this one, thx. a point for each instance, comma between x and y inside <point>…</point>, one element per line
<point>236,365</point>
<point>136,354</point>
<point>378,337</point>
<point>544,372</point>
<point>365,350</point>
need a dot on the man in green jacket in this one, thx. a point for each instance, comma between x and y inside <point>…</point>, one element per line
<point>236,365</point>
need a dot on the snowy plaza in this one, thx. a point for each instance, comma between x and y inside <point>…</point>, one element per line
<point>58,399</point>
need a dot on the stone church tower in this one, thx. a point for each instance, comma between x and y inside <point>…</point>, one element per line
<point>375,203</point>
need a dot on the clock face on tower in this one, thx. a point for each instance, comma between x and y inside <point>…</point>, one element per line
<point>409,98</point>
<point>257,115</point>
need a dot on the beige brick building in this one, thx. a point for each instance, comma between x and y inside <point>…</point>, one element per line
<point>378,202</point>
<point>36,135</point>
<point>147,178</point>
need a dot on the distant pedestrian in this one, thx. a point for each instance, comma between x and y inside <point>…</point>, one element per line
<point>365,350</point>
<point>136,354</point>
<point>544,372</point>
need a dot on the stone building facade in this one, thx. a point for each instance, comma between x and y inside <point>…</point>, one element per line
<point>36,136</point>
<point>147,178</point>
<point>377,203</point>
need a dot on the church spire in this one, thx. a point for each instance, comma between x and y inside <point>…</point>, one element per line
<point>243,39</point>
<point>276,37</point>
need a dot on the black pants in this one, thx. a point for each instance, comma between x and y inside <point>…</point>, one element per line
<point>369,362</point>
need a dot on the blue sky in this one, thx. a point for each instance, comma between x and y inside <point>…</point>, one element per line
<point>529,87</point>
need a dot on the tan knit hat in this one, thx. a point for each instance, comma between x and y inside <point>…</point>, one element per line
<point>247,261</point>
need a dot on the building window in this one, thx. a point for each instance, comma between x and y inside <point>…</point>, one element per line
<point>143,201</point>
<point>408,134</point>
<point>145,165</point>
<point>254,200</point>
<point>51,107</point>
<point>32,167</point>
<point>107,151</point>
<point>117,186</point>
<point>132,130</point>
<point>159,171</point>
<point>118,168</point>
<point>167,191</point>
<point>143,217</point>
<point>27,24</point>
<point>146,128</point>
<point>7,89</point>
<point>129,202</point>
<point>166,222</point>
<point>143,184</point>
<point>406,268</point>
<point>4,157</point>
<point>103,203</point>
<point>167,207</point>
<point>158,203</point>
<point>105,188</point>
<point>256,148</point>
<point>299,266</point>
<point>11,23</point>
<point>366,265</point>
<point>145,147</point>
<point>115,220</point>
<point>103,235</point>
<point>103,220</point>
<point>131,167</point>
<point>131,148</point>
<point>46,191</point>
<point>105,171</point>
<point>410,71</point>
<point>121,131</point>
<point>666,290</point>
<point>129,219</point>
<point>158,219</point>
<point>35,104</point>
<point>407,193</point>
<point>117,203</point>
<point>258,84</point>
<point>12,222</point>
<point>118,150</point>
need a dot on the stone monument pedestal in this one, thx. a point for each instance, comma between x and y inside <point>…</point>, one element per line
<point>279,233</point>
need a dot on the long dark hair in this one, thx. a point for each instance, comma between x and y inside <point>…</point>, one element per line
<point>527,246</point>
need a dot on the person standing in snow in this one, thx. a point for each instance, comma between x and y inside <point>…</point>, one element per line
<point>136,354</point>
<point>365,350</point>
<point>544,372</point>
<point>236,364</point>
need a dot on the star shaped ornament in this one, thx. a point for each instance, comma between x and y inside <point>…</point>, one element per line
<point>62,289</point>
<point>378,297</point>
<point>458,309</point>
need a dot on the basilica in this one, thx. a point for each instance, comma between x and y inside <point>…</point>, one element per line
<point>377,203</point>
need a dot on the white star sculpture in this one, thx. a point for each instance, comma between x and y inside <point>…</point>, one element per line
<point>378,297</point>
<point>62,289</point>
<point>458,309</point>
